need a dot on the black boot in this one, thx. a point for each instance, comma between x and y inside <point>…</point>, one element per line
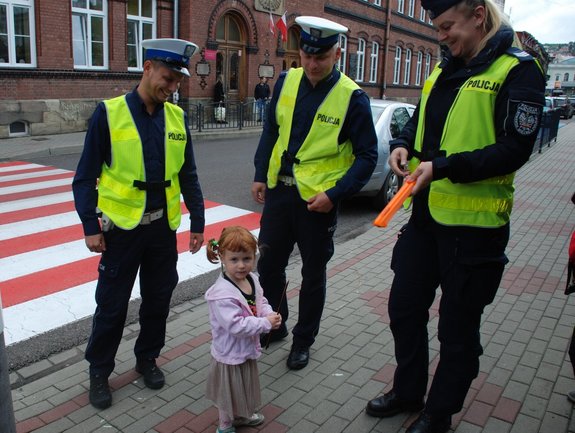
<point>153,376</point>
<point>427,423</point>
<point>390,404</point>
<point>100,395</point>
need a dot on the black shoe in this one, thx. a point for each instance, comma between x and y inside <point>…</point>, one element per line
<point>427,423</point>
<point>389,405</point>
<point>100,395</point>
<point>275,335</point>
<point>298,357</point>
<point>153,376</point>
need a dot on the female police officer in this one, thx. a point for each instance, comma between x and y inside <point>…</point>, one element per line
<point>475,125</point>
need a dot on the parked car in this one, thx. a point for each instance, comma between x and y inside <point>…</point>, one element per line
<point>549,104</point>
<point>564,106</point>
<point>389,118</point>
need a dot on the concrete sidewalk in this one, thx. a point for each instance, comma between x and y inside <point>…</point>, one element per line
<point>525,372</point>
<point>72,143</point>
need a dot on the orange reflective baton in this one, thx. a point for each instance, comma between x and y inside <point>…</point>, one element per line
<point>394,204</point>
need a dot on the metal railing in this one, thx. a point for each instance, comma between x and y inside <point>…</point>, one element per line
<point>227,115</point>
<point>548,130</point>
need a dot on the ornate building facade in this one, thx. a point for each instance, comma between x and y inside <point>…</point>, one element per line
<point>58,58</point>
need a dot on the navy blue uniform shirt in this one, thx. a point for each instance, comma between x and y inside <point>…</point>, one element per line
<point>357,126</point>
<point>98,151</point>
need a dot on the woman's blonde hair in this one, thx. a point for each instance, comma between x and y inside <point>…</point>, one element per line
<point>494,19</point>
<point>235,239</point>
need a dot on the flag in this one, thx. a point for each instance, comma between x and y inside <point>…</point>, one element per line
<point>282,27</point>
<point>271,25</point>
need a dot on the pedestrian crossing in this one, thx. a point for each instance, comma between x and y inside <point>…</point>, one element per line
<point>47,275</point>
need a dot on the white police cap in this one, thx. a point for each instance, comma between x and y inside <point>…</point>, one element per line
<point>318,34</point>
<point>174,53</point>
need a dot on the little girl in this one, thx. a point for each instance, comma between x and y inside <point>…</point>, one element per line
<point>239,313</point>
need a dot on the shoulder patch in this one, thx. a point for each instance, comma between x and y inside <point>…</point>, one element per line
<point>522,56</point>
<point>526,119</point>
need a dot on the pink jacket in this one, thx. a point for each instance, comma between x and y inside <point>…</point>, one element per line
<point>235,330</point>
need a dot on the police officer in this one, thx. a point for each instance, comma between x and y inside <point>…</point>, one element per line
<point>318,147</point>
<point>138,147</point>
<point>475,125</point>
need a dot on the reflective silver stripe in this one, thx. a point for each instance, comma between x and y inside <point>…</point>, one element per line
<point>286,180</point>
<point>154,215</point>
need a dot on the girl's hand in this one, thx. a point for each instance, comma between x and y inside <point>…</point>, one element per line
<point>275,320</point>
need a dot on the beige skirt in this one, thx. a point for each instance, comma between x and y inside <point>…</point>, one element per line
<point>234,389</point>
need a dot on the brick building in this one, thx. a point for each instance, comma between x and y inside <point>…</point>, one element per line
<point>58,58</point>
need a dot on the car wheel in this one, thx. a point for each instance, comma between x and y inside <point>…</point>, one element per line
<point>389,188</point>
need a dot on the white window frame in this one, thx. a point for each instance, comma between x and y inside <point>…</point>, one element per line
<point>418,68</point>
<point>566,76</point>
<point>377,2</point>
<point>11,36</point>
<point>422,14</point>
<point>86,15</point>
<point>373,62</point>
<point>140,21</point>
<point>407,68</point>
<point>411,8</point>
<point>400,6</point>
<point>360,71</point>
<point>427,66</point>
<point>397,65</point>
<point>343,57</point>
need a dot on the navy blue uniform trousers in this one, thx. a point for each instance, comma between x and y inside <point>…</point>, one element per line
<point>468,264</point>
<point>285,222</point>
<point>152,250</point>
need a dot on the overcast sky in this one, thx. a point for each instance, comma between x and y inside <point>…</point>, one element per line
<point>549,21</point>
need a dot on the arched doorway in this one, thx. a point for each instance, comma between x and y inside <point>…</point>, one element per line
<point>231,58</point>
<point>291,59</point>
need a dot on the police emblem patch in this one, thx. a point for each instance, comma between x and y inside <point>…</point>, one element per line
<point>526,119</point>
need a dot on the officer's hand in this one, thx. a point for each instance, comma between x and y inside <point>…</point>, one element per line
<point>398,161</point>
<point>196,241</point>
<point>320,203</point>
<point>423,175</point>
<point>259,192</point>
<point>95,243</point>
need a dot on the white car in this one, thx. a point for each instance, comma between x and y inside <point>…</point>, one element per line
<point>389,118</point>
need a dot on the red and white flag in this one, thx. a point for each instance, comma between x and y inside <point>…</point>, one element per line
<point>271,25</point>
<point>282,26</point>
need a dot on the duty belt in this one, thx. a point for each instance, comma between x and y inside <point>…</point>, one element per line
<point>153,215</point>
<point>286,180</point>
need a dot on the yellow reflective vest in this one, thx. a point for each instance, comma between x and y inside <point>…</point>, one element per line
<point>118,198</point>
<point>322,161</point>
<point>470,126</point>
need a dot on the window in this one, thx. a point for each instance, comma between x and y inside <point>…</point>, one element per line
<point>418,68</point>
<point>398,121</point>
<point>400,6</point>
<point>90,34</point>
<point>373,62</point>
<point>343,58</point>
<point>360,59</point>
<point>557,77</point>
<point>407,69</point>
<point>141,26</point>
<point>18,129</point>
<point>566,76</point>
<point>411,8</point>
<point>397,65</point>
<point>377,2</point>
<point>422,15</point>
<point>427,66</point>
<point>17,47</point>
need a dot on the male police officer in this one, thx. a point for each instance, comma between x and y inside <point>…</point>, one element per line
<point>318,147</point>
<point>139,147</point>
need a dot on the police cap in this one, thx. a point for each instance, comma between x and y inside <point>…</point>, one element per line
<point>174,53</point>
<point>318,35</point>
<point>437,7</point>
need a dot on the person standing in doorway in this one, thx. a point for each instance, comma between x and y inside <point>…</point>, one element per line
<point>137,160</point>
<point>317,148</point>
<point>261,95</point>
